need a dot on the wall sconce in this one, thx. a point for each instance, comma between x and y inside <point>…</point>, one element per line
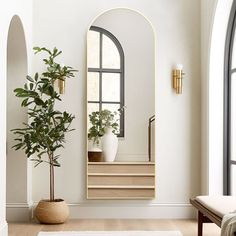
<point>61,81</point>
<point>61,86</point>
<point>177,78</point>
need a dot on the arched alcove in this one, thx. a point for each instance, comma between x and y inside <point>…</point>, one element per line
<point>16,174</point>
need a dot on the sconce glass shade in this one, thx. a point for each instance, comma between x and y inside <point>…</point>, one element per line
<point>179,66</point>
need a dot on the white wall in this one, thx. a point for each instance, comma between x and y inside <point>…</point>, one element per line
<point>178,117</point>
<point>138,44</point>
<point>7,11</point>
<point>178,149</point>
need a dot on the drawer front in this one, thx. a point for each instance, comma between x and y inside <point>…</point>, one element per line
<point>121,180</point>
<point>124,168</point>
<point>121,193</point>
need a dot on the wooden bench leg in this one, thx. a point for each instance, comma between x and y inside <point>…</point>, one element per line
<point>200,223</point>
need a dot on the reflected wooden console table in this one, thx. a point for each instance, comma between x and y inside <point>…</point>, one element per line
<point>121,180</point>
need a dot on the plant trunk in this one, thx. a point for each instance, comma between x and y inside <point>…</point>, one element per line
<point>52,198</point>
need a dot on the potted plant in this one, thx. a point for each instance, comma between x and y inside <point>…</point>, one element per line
<point>44,134</point>
<point>104,127</point>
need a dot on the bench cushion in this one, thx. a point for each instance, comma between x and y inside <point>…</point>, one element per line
<point>219,205</point>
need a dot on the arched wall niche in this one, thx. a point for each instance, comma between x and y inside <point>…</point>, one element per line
<point>16,162</point>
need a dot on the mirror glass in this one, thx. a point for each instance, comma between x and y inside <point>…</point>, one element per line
<point>93,49</point>
<point>110,54</point>
<point>121,80</point>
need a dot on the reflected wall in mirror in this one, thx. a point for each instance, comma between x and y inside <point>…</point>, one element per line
<point>121,94</point>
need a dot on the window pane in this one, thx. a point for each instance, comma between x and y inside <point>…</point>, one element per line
<point>93,49</point>
<point>111,87</point>
<point>113,107</point>
<point>233,180</point>
<point>91,108</point>
<point>233,117</point>
<point>110,54</point>
<point>93,86</point>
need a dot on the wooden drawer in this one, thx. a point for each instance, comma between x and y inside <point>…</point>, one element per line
<point>115,193</point>
<point>121,168</point>
<point>121,180</point>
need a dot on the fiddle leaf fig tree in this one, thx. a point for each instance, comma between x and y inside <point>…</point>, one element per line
<point>45,131</point>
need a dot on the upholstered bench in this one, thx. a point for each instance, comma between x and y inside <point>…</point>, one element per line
<point>211,209</point>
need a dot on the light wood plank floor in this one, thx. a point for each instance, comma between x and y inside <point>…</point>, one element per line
<point>187,227</point>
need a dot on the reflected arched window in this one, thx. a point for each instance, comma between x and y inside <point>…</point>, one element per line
<point>230,107</point>
<point>105,73</point>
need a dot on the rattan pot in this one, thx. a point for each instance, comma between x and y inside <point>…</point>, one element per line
<point>56,212</point>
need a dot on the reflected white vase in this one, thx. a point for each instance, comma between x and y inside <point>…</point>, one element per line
<point>109,145</point>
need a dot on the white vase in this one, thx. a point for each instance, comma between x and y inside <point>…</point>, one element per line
<point>109,145</point>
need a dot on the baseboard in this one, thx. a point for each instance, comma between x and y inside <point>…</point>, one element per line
<point>18,212</point>
<point>132,211</point>
<point>91,210</point>
<point>4,229</point>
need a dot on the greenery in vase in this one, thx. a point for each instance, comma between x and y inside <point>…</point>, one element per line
<point>45,131</point>
<point>100,121</point>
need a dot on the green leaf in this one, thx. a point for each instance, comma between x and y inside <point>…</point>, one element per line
<point>36,76</point>
<point>55,50</point>
<point>24,102</point>
<point>38,101</point>
<point>51,91</point>
<point>58,53</point>
<point>29,78</point>
<point>22,95</point>
<point>46,61</point>
<point>37,49</point>
<point>31,86</point>
<point>19,90</point>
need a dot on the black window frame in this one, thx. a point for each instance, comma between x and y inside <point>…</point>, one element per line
<point>102,70</point>
<point>228,71</point>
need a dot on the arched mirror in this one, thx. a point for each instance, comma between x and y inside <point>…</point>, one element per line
<point>121,106</point>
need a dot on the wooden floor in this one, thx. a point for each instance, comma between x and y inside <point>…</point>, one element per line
<point>187,227</point>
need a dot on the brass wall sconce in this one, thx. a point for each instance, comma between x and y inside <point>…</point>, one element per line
<point>178,75</point>
<point>61,86</point>
<point>61,81</point>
